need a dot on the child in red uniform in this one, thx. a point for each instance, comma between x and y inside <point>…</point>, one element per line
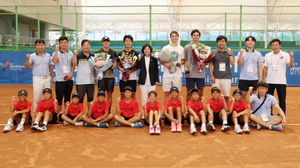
<point>20,109</point>
<point>239,110</point>
<point>196,110</point>
<point>173,110</point>
<point>128,110</point>
<point>74,111</point>
<point>217,110</point>
<point>46,109</point>
<point>98,115</point>
<point>153,112</point>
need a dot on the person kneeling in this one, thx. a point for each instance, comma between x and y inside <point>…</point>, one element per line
<point>128,110</point>
<point>98,115</point>
<point>46,109</point>
<point>74,111</point>
<point>262,104</point>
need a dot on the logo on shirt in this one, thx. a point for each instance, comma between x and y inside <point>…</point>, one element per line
<point>174,55</point>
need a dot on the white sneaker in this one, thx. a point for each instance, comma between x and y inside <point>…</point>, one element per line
<point>246,129</point>
<point>151,130</point>
<point>7,128</point>
<point>193,129</point>
<point>20,128</point>
<point>157,130</point>
<point>66,123</point>
<point>203,130</point>
<point>79,123</point>
<point>237,129</point>
<point>225,128</point>
<point>42,128</point>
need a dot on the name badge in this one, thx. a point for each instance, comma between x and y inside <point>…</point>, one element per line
<point>250,68</point>
<point>66,69</point>
<point>87,70</point>
<point>222,66</point>
<point>274,69</point>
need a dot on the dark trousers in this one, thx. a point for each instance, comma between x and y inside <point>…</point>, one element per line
<point>63,90</point>
<point>281,92</point>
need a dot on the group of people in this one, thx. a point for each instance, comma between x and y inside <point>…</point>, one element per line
<point>256,75</point>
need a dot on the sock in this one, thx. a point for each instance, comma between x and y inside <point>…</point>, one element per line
<point>224,122</point>
<point>203,125</point>
<point>37,123</point>
<point>172,123</point>
<point>45,122</point>
<point>245,125</point>
<point>192,125</point>
<point>132,124</point>
<point>210,122</point>
<point>9,122</point>
<point>150,126</point>
<point>22,121</point>
<point>270,127</point>
<point>236,125</point>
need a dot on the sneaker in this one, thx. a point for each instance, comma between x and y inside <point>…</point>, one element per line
<point>157,130</point>
<point>173,128</point>
<point>7,128</point>
<point>225,127</point>
<point>79,123</point>
<point>253,124</point>
<point>276,127</point>
<point>66,123</point>
<point>90,125</point>
<point>151,130</point>
<point>258,127</point>
<point>20,128</point>
<point>103,125</point>
<point>237,129</point>
<point>210,127</point>
<point>35,127</point>
<point>42,128</point>
<point>203,130</point>
<point>193,129</point>
<point>179,128</point>
<point>246,129</point>
<point>117,124</point>
<point>137,125</point>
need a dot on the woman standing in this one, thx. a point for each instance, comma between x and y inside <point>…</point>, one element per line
<point>148,78</point>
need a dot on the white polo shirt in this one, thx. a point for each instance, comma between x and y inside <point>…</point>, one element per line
<point>276,64</point>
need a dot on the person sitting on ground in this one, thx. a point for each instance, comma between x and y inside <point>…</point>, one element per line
<point>262,104</point>
<point>74,111</point>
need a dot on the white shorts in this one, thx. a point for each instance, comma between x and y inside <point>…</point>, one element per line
<point>224,85</point>
<point>169,82</point>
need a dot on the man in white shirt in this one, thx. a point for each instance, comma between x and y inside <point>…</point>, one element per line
<point>275,71</point>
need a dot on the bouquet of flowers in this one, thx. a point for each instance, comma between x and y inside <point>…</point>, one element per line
<point>202,55</point>
<point>101,62</point>
<point>166,57</point>
<point>128,62</point>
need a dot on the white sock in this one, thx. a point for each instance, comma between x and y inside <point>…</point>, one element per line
<point>22,121</point>
<point>203,125</point>
<point>172,123</point>
<point>45,122</point>
<point>210,122</point>
<point>192,125</point>
<point>9,122</point>
<point>36,123</point>
<point>236,125</point>
<point>132,124</point>
<point>224,122</point>
<point>270,127</point>
<point>245,125</point>
<point>150,125</point>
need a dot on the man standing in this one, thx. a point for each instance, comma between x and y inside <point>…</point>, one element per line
<point>172,79</point>
<point>251,66</point>
<point>64,69</point>
<point>128,41</point>
<point>193,75</point>
<point>274,70</point>
<point>219,67</point>
<point>108,82</point>
<point>42,71</point>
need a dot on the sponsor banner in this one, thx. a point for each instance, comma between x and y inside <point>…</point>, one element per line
<point>13,72</point>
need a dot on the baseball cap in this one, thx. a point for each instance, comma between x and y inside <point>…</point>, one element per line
<point>47,90</point>
<point>174,88</point>
<point>127,88</point>
<point>215,89</point>
<point>237,91</point>
<point>75,95</point>
<point>194,90</point>
<point>101,93</point>
<point>22,92</point>
<point>105,38</point>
